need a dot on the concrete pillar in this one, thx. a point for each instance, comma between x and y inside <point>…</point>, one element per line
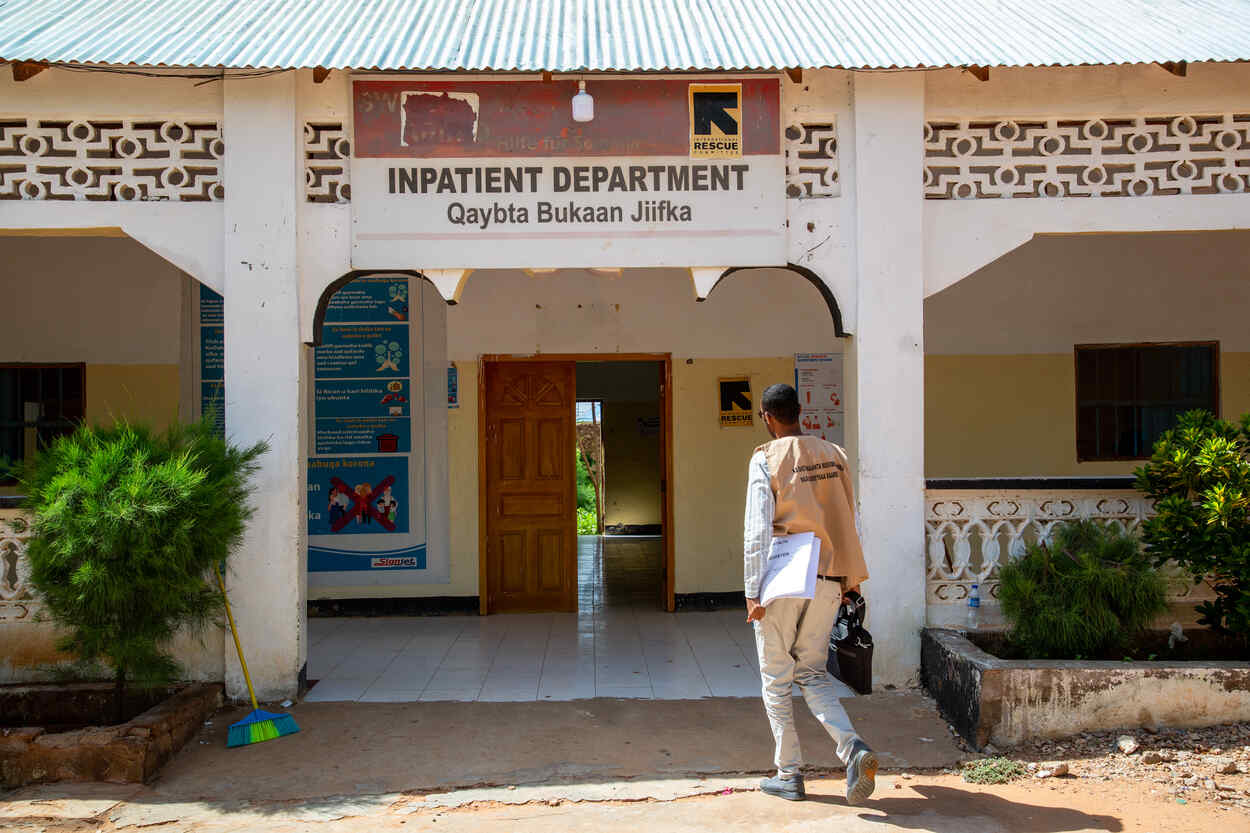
<point>886,361</point>
<point>264,369</point>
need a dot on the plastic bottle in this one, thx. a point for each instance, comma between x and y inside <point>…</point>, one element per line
<point>974,607</point>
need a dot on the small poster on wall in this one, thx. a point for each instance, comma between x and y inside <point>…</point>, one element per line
<point>358,351</point>
<point>818,380</point>
<point>370,298</point>
<point>736,410</point>
<point>360,495</point>
<point>362,417</point>
<point>213,357</point>
<point>453,387</point>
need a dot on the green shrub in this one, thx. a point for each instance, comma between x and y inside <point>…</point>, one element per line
<point>992,771</point>
<point>587,522</point>
<point>1199,476</point>
<point>1084,595</point>
<point>585,488</point>
<point>127,526</point>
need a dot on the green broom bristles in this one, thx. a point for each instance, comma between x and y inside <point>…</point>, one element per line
<point>260,726</point>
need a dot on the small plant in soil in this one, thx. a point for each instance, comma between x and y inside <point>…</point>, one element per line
<point>1199,477</point>
<point>126,527</point>
<point>1087,593</point>
<point>992,771</point>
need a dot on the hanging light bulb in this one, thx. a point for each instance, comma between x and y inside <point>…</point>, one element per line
<point>583,104</point>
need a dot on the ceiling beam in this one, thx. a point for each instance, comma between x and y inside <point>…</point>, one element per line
<point>1178,68</point>
<point>26,70</point>
<point>978,72</point>
<point>320,74</point>
<point>795,73</point>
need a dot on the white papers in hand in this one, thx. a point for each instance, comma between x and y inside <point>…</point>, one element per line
<point>790,572</point>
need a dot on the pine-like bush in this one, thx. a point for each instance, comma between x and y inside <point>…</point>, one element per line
<point>1086,594</point>
<point>1199,477</point>
<point>127,526</point>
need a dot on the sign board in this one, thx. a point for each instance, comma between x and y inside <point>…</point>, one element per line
<point>453,387</point>
<point>366,476</point>
<point>693,169</point>
<point>736,408</point>
<point>818,380</point>
<point>212,326</point>
<point>715,121</point>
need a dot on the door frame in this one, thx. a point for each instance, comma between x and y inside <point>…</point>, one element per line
<point>666,450</point>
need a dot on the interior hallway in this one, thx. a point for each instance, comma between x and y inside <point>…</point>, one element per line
<point>620,643</point>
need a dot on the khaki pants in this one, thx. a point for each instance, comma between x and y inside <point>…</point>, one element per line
<point>793,644</point>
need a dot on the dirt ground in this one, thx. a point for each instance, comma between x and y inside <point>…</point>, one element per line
<point>936,803</point>
<point>616,765</point>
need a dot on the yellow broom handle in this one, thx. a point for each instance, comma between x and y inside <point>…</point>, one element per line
<point>235,633</point>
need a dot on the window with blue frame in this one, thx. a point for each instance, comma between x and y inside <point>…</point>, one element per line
<point>1128,395</point>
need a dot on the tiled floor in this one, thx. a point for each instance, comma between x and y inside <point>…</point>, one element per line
<point>619,644</point>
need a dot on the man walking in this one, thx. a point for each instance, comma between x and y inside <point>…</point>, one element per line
<point>801,484</point>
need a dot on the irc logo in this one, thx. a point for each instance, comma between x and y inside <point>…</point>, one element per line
<point>716,120</point>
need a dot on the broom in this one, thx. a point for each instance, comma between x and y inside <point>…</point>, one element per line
<point>259,725</point>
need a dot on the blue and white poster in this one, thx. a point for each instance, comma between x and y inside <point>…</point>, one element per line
<point>366,475</point>
<point>213,356</point>
<point>360,495</point>
<point>362,417</point>
<point>363,351</point>
<point>371,298</point>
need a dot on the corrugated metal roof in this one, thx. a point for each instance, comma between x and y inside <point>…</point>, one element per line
<point>621,35</point>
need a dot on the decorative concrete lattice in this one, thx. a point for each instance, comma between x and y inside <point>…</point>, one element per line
<point>1096,157</point>
<point>968,534</point>
<point>119,159</point>
<point>327,150</point>
<point>812,160</point>
<point>16,598</point>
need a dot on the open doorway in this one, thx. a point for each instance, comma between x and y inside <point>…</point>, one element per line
<point>620,455</point>
<point>530,559</point>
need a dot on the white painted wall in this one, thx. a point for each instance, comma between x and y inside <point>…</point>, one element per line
<point>962,236</point>
<point>886,360</point>
<point>190,236</point>
<point>264,378</point>
<point>755,313</point>
<point>1087,91</point>
<point>822,231</point>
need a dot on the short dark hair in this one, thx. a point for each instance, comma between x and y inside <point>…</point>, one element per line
<point>782,401</point>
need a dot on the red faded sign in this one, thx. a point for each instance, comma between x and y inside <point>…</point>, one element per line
<point>642,117</point>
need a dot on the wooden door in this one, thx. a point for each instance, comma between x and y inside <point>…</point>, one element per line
<point>531,486</point>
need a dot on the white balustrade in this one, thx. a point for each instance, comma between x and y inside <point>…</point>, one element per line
<point>17,604</point>
<point>970,533</point>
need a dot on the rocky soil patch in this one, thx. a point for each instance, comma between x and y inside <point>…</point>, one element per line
<point>1210,765</point>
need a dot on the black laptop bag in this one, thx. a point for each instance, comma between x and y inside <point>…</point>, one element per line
<point>850,646</point>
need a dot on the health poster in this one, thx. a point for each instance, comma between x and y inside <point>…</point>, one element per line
<point>828,425</point>
<point>213,356</point>
<point>213,400</point>
<point>370,298</point>
<point>212,307</point>
<point>818,380</point>
<point>453,387</point>
<point>362,351</point>
<point>359,516</point>
<point>358,495</point>
<point>362,416</point>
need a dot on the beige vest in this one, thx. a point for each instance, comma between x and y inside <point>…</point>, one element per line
<point>813,493</point>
